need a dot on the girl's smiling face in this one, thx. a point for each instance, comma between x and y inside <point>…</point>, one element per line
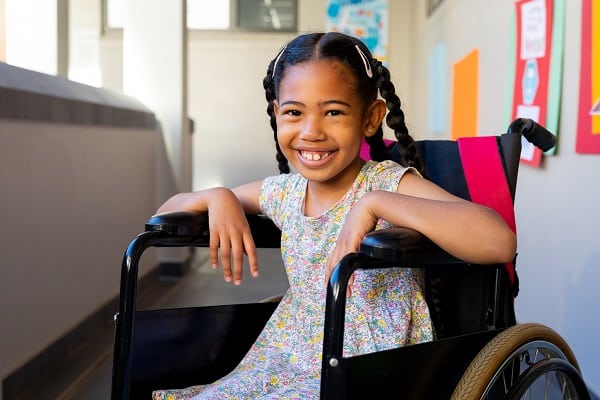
<point>321,121</point>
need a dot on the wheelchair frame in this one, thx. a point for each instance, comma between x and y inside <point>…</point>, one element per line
<point>146,341</point>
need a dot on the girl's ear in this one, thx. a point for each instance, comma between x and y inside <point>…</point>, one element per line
<point>275,107</point>
<point>374,117</point>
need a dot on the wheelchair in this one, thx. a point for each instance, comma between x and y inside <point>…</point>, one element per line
<point>479,351</point>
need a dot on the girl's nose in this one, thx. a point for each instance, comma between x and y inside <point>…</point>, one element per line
<point>311,130</point>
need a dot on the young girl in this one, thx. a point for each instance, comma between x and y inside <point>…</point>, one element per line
<point>322,93</point>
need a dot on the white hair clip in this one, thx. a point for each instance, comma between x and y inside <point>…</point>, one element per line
<point>365,61</point>
<point>277,60</point>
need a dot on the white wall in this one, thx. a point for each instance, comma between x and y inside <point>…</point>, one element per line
<point>155,72</point>
<point>556,205</point>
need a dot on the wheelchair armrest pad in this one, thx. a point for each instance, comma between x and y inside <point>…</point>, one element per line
<point>179,223</point>
<point>188,223</point>
<point>406,247</point>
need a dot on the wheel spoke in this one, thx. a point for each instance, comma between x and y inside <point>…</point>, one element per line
<point>547,386</point>
<point>537,352</point>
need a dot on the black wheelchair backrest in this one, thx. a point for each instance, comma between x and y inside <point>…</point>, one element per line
<point>464,298</point>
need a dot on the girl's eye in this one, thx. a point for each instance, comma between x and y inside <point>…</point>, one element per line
<point>292,113</point>
<point>333,113</point>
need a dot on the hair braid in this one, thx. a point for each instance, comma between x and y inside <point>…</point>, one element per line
<point>377,148</point>
<point>395,119</point>
<point>270,95</point>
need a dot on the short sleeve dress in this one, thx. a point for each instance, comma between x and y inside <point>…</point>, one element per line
<point>387,308</point>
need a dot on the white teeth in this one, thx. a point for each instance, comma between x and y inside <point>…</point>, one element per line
<point>313,156</point>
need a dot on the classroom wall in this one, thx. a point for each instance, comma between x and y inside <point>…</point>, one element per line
<point>556,205</point>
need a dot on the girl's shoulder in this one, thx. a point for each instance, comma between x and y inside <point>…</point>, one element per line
<point>385,167</point>
<point>385,175</point>
<point>278,193</point>
<point>282,186</point>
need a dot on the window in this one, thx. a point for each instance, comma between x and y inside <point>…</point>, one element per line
<point>208,14</point>
<point>267,15</point>
<point>226,15</point>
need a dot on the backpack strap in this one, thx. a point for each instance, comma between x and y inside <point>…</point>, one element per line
<point>487,183</point>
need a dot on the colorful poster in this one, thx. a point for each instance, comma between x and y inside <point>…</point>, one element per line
<point>465,96</point>
<point>588,127</point>
<point>365,19</point>
<point>538,67</point>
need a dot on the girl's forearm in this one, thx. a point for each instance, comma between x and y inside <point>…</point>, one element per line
<point>466,230</point>
<point>192,201</point>
<point>246,195</point>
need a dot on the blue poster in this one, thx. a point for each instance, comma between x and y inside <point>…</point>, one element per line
<point>364,19</point>
<point>437,90</point>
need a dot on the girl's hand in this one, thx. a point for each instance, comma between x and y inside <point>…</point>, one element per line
<point>230,235</point>
<point>360,221</point>
<point>228,227</point>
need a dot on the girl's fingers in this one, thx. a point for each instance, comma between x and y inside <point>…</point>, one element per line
<point>225,249</point>
<point>237,252</point>
<point>336,255</point>
<point>213,250</point>
<point>232,244</point>
<point>250,250</point>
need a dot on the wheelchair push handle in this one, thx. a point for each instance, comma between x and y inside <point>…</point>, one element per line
<point>533,132</point>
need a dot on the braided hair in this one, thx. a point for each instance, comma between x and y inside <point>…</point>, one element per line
<point>372,76</point>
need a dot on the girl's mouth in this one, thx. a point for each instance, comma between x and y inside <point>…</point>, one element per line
<point>314,155</point>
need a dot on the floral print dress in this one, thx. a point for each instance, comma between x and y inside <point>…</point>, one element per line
<point>386,309</point>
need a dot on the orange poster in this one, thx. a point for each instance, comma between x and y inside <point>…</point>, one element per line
<point>465,93</point>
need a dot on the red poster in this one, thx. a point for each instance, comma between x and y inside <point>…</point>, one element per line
<point>530,96</point>
<point>588,127</point>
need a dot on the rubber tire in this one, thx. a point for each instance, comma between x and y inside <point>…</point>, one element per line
<point>484,366</point>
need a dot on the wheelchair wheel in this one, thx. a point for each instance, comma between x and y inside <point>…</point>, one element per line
<point>525,361</point>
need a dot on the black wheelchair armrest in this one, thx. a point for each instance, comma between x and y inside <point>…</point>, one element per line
<point>186,224</point>
<point>179,223</point>
<point>404,247</point>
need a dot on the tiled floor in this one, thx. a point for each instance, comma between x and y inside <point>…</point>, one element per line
<point>199,287</point>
